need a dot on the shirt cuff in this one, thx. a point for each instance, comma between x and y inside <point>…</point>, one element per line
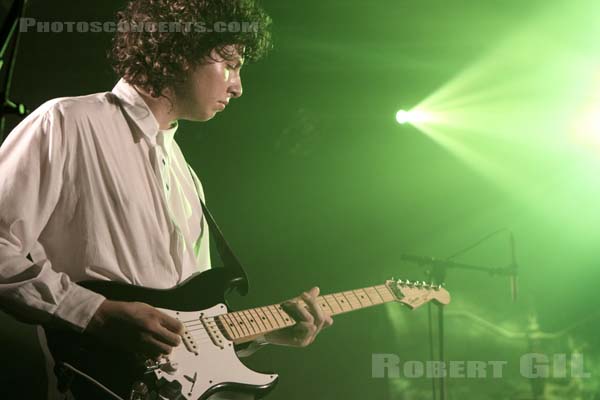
<point>78,306</point>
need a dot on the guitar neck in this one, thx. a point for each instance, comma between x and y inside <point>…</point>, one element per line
<point>246,325</point>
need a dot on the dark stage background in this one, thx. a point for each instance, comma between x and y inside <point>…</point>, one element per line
<point>314,182</point>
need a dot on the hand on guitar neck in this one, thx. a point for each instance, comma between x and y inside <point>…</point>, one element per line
<point>136,327</point>
<point>310,320</point>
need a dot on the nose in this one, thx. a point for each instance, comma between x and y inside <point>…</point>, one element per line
<point>236,89</point>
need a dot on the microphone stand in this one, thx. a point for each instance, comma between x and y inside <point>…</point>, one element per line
<point>437,270</point>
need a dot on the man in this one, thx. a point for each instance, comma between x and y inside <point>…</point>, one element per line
<point>95,187</point>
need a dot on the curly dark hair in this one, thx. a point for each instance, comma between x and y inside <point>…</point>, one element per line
<point>156,59</point>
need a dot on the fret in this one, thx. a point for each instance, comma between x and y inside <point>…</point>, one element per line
<point>240,322</point>
<point>249,322</point>
<point>333,304</point>
<point>261,326</point>
<point>385,293</point>
<point>363,298</point>
<point>222,323</point>
<point>351,297</point>
<point>277,316</point>
<point>267,317</point>
<point>322,303</point>
<point>274,319</point>
<point>343,302</point>
<point>243,326</point>
<point>233,325</point>
<point>287,320</point>
<point>258,328</point>
<point>374,295</point>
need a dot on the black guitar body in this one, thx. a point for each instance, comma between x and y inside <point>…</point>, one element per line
<point>119,370</point>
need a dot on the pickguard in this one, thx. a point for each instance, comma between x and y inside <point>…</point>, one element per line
<point>206,361</point>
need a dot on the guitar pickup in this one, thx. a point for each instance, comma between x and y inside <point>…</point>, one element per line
<point>189,342</point>
<point>213,332</point>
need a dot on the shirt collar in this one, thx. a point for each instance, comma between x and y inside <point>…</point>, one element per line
<point>138,110</point>
<point>165,138</point>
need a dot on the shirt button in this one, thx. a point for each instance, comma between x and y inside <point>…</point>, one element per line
<point>167,187</point>
<point>164,161</point>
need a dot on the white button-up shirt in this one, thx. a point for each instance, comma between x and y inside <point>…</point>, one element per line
<point>93,189</point>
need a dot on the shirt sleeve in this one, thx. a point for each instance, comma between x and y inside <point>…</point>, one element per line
<point>32,161</point>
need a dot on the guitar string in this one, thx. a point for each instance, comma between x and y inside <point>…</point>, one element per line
<point>325,304</point>
<point>219,324</point>
<point>203,336</point>
<point>213,323</point>
<point>260,310</point>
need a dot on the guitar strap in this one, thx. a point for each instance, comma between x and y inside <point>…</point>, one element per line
<point>230,261</point>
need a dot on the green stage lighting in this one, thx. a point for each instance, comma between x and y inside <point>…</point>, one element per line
<point>587,126</point>
<point>414,116</point>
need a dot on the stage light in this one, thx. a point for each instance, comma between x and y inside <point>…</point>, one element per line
<point>402,116</point>
<point>412,116</point>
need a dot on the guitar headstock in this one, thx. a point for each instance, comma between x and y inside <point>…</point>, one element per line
<point>415,294</point>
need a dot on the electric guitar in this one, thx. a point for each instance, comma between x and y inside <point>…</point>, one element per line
<point>206,361</point>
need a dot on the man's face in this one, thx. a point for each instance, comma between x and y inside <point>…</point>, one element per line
<point>210,86</point>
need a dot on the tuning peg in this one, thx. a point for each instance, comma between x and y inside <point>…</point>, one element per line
<point>399,282</point>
